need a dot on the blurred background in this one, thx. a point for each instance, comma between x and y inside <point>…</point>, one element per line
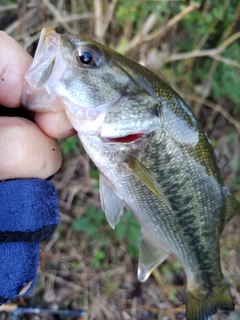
<point>195,48</point>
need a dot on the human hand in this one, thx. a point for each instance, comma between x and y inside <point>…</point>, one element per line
<point>28,149</point>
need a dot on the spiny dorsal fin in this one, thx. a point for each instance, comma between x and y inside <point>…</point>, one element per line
<point>143,174</point>
<point>112,205</point>
<point>151,255</point>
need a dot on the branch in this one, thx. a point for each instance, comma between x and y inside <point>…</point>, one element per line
<point>215,107</point>
<point>32,35</point>
<point>214,53</point>
<point>140,39</point>
<point>58,16</point>
<point>102,21</point>
<point>227,61</point>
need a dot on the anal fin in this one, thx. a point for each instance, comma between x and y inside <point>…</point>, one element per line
<point>151,255</point>
<point>112,205</point>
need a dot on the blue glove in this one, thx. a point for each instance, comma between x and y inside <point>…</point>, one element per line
<point>28,216</point>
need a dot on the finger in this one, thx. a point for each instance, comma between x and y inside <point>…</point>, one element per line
<point>14,62</point>
<point>26,152</point>
<point>55,124</point>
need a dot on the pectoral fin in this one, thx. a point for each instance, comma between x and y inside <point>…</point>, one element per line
<point>112,205</point>
<point>142,173</point>
<point>151,255</point>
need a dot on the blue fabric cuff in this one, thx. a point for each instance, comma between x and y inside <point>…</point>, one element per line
<point>28,215</point>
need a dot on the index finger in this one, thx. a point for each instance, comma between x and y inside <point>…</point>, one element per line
<point>14,62</point>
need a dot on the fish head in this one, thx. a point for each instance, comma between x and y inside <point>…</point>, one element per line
<point>102,92</point>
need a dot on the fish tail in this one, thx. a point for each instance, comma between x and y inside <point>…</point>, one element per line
<point>201,305</point>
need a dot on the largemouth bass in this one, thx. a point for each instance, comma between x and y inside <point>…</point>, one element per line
<point>152,154</point>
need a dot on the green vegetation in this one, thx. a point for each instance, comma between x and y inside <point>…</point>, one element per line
<point>94,224</point>
<point>69,144</point>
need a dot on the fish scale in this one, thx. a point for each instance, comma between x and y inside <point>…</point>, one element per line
<point>152,154</point>
<point>148,207</point>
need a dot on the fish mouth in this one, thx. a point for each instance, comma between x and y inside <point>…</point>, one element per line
<point>44,73</point>
<point>44,58</point>
<point>48,43</point>
<point>124,139</point>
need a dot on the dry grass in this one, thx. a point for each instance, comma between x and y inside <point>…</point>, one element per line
<point>72,275</point>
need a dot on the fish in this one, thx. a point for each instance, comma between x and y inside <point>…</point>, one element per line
<point>153,156</point>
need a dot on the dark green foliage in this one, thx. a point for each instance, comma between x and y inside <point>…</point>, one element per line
<point>69,144</point>
<point>93,223</point>
<point>227,77</point>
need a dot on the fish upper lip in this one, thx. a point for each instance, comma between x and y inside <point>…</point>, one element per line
<point>47,34</point>
<point>44,57</point>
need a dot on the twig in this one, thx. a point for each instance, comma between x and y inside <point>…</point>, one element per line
<point>148,24</point>
<point>145,29</point>
<point>8,307</point>
<point>109,15</point>
<point>58,279</point>
<point>8,7</point>
<point>140,39</point>
<point>215,107</point>
<point>202,53</point>
<point>163,312</point>
<point>212,26</point>
<point>98,17</point>
<point>15,6</point>
<point>102,21</point>
<point>27,17</point>
<point>226,61</point>
<point>33,22</point>
<point>58,16</point>
<point>28,40</point>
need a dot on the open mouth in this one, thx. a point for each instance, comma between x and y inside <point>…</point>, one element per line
<point>44,59</point>
<point>48,43</point>
<point>127,139</point>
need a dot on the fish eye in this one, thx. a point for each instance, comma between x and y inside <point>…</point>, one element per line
<point>88,56</point>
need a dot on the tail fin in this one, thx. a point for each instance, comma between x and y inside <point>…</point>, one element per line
<point>202,305</point>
